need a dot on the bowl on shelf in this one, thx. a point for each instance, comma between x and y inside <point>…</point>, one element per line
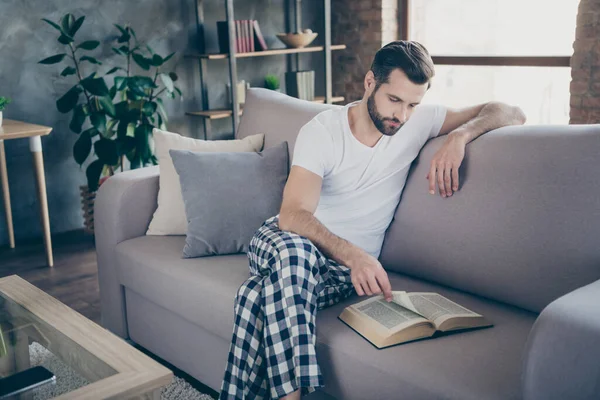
<point>297,40</point>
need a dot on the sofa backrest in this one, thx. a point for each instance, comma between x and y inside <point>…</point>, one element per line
<point>524,228</point>
<point>278,116</point>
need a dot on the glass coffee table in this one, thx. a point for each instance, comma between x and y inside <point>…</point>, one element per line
<point>108,366</point>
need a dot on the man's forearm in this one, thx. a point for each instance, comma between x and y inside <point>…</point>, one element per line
<point>305,224</point>
<point>492,116</point>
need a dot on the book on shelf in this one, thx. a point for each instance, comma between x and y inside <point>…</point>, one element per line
<point>259,40</point>
<point>410,316</point>
<point>248,36</point>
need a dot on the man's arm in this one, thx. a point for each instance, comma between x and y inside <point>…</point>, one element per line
<point>300,199</point>
<point>472,122</point>
<point>463,126</point>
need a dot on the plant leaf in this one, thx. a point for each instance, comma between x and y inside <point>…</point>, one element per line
<point>107,106</point>
<point>119,27</point>
<point>76,25</point>
<point>161,110</point>
<point>78,119</point>
<point>142,82</point>
<point>157,60</point>
<point>53,59</point>
<point>99,121</point>
<point>173,76</point>
<point>68,71</point>
<point>121,82</point>
<point>149,108</point>
<point>142,61</point>
<point>82,147</point>
<point>91,131</point>
<point>88,45</point>
<point>65,39</point>
<point>124,38</point>
<point>53,24</point>
<point>106,150</point>
<point>67,23</point>
<point>167,81</point>
<point>167,58</point>
<point>93,172</point>
<point>178,91</point>
<point>125,145</point>
<point>113,70</point>
<point>95,86</point>
<point>132,32</point>
<point>69,100</point>
<point>119,52</point>
<point>90,59</point>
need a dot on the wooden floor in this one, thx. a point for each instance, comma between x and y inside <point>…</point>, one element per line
<point>74,277</point>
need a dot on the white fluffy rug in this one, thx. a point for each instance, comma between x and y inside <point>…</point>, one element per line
<point>68,380</point>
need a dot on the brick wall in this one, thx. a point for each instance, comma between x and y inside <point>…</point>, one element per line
<point>585,65</point>
<point>364,26</point>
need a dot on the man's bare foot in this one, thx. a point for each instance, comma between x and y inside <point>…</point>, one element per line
<point>292,396</point>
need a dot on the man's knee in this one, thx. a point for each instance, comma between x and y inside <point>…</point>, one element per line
<point>249,292</point>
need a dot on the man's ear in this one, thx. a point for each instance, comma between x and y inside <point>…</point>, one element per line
<point>369,81</point>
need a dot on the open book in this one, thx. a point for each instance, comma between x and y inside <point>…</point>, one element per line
<point>410,316</point>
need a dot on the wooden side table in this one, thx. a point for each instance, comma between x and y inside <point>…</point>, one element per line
<point>11,129</point>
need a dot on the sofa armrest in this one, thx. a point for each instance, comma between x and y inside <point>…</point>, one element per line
<point>123,210</point>
<point>562,355</point>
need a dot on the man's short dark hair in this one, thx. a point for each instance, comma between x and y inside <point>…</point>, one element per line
<point>409,56</point>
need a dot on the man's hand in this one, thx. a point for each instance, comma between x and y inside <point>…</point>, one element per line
<point>445,164</point>
<point>368,275</point>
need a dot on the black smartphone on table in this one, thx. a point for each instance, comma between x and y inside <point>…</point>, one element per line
<point>25,380</point>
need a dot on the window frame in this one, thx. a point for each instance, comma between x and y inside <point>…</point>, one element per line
<point>514,61</point>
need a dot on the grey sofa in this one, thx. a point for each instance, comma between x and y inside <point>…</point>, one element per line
<point>519,243</point>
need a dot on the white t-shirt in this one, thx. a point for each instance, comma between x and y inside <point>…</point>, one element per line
<point>362,185</point>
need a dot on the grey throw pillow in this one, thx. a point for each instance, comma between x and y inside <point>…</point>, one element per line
<point>227,196</point>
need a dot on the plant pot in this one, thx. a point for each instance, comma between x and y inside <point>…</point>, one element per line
<point>87,206</point>
<point>0,118</point>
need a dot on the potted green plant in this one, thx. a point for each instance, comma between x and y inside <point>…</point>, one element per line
<point>4,101</point>
<point>272,82</point>
<point>114,120</point>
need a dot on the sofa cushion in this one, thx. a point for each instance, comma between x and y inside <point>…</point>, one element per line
<point>478,364</point>
<point>169,217</point>
<point>201,290</point>
<point>230,198</point>
<point>277,115</point>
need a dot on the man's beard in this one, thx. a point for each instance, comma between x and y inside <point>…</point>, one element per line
<point>379,120</point>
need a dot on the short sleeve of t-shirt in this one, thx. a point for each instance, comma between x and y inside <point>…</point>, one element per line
<point>313,149</point>
<point>435,114</point>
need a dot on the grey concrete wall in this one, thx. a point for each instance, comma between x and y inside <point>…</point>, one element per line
<point>167,25</point>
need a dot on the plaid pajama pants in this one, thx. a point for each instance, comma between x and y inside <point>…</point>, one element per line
<point>273,348</point>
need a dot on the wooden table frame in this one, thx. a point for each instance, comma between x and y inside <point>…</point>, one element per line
<point>11,129</point>
<point>120,372</point>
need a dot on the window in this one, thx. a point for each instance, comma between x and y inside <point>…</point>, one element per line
<point>515,51</point>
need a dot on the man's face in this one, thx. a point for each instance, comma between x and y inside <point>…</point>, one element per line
<point>391,104</point>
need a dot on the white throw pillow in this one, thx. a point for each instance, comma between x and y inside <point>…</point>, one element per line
<point>169,218</point>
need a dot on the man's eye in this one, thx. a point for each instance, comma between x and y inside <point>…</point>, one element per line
<point>393,100</point>
<point>412,106</point>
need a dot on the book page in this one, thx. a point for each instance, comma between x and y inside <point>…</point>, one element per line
<point>391,315</point>
<point>436,307</point>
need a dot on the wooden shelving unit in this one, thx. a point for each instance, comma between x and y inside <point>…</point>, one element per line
<point>206,113</point>
<point>274,52</point>
<point>226,113</point>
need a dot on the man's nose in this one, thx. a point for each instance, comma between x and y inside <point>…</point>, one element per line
<point>401,115</point>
